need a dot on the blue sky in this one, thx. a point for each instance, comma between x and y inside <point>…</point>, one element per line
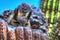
<point>12,4</point>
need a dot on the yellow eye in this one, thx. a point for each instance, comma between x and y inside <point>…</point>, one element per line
<point>20,13</point>
<point>11,16</point>
<point>26,15</point>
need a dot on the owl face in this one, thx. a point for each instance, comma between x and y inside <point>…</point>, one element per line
<point>7,14</point>
<point>23,9</point>
<point>34,21</point>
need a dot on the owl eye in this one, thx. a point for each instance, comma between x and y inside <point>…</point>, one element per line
<point>35,17</point>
